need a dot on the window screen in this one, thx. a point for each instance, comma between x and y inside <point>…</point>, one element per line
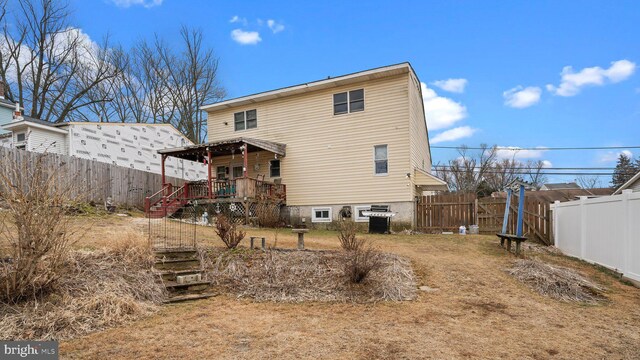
<point>356,100</point>
<point>380,159</point>
<point>238,121</point>
<point>340,103</point>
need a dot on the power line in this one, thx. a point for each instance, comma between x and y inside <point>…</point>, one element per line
<point>513,148</point>
<point>540,173</point>
<point>435,167</point>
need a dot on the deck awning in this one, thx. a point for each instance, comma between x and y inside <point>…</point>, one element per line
<point>428,182</point>
<point>224,147</point>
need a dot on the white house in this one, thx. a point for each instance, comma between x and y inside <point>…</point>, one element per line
<point>631,184</point>
<point>123,144</point>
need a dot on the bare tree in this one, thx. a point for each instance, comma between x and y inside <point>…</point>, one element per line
<point>589,181</point>
<point>534,172</point>
<point>468,171</point>
<point>53,65</point>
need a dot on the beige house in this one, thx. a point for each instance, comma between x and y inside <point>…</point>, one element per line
<point>345,142</point>
<point>631,184</point>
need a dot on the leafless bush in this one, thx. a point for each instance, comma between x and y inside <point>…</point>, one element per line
<point>360,262</point>
<point>228,231</point>
<point>347,234</point>
<point>34,231</point>
<point>268,216</point>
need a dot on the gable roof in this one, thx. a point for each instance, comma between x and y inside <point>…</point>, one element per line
<point>375,73</point>
<point>562,186</point>
<point>633,179</point>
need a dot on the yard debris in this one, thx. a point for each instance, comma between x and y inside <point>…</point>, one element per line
<point>557,282</point>
<point>102,289</point>
<point>539,248</point>
<point>296,276</point>
<point>428,289</point>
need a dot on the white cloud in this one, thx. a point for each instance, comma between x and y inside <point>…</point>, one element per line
<point>514,152</point>
<point>274,26</point>
<point>453,134</point>
<point>546,164</point>
<point>520,97</point>
<point>572,82</point>
<point>451,85</point>
<point>237,19</point>
<point>612,156</point>
<point>245,37</point>
<point>441,112</point>
<point>128,3</point>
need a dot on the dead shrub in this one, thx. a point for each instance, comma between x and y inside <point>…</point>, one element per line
<point>268,216</point>
<point>35,232</point>
<point>359,263</point>
<point>557,282</point>
<point>228,231</point>
<point>347,234</point>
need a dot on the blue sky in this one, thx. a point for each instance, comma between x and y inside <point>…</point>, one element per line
<point>528,74</point>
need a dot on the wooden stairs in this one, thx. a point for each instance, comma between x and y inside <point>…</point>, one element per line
<point>182,275</point>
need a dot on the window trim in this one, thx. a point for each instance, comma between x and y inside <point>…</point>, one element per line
<point>348,92</point>
<point>356,212</point>
<point>244,118</point>
<point>24,134</point>
<point>232,167</point>
<point>374,160</point>
<point>321,220</point>
<point>279,169</point>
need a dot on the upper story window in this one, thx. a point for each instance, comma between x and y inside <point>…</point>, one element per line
<point>20,137</point>
<point>381,159</point>
<point>245,120</point>
<point>348,102</point>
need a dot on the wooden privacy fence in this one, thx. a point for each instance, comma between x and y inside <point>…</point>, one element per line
<point>448,212</point>
<point>96,180</point>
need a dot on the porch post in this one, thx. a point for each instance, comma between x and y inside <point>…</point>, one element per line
<point>245,159</point>
<point>245,172</point>
<point>162,159</point>
<point>209,182</point>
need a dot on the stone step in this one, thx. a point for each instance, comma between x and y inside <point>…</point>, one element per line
<point>170,275</point>
<point>189,297</point>
<point>175,254</point>
<point>176,289</point>
<point>178,264</point>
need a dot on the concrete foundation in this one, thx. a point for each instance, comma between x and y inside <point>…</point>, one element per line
<point>299,215</point>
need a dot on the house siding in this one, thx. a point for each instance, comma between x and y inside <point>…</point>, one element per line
<point>418,138</point>
<point>40,140</point>
<point>330,157</point>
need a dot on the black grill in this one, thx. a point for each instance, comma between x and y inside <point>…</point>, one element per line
<point>379,219</point>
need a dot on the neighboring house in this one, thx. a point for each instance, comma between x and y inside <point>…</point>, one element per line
<point>348,141</point>
<point>551,196</point>
<point>123,144</point>
<point>632,184</point>
<point>560,186</point>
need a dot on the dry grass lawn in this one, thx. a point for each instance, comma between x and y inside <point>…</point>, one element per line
<point>478,311</point>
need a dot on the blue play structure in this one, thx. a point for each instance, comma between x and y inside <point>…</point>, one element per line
<point>518,238</point>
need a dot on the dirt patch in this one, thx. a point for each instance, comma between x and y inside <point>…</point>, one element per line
<point>557,282</point>
<point>298,276</point>
<point>101,289</point>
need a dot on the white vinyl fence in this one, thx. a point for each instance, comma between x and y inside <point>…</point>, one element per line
<point>604,231</point>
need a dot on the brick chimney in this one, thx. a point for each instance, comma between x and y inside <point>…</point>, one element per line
<point>17,114</point>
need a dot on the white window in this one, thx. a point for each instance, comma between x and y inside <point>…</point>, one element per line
<point>245,120</point>
<point>221,172</point>
<point>380,160</point>
<point>20,137</point>
<point>358,210</point>
<point>321,214</point>
<point>351,101</point>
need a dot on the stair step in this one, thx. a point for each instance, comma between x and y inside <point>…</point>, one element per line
<point>189,297</point>
<point>178,264</point>
<point>175,254</point>
<point>175,285</point>
<point>170,275</point>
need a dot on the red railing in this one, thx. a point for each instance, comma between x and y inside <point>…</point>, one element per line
<point>167,200</point>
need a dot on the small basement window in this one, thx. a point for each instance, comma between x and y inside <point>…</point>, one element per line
<point>321,214</point>
<point>359,217</point>
<point>348,102</point>
<point>245,120</point>
<point>274,168</point>
<point>380,159</point>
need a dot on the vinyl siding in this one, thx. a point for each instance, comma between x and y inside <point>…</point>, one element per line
<point>418,134</point>
<point>6,116</point>
<point>330,157</point>
<point>40,140</point>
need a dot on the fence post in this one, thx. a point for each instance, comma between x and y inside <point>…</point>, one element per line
<point>627,231</point>
<point>583,227</point>
<point>556,239</point>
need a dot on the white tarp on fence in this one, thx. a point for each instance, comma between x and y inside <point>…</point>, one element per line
<point>604,230</point>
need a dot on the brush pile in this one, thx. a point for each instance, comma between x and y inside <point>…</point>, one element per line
<point>100,289</point>
<point>299,276</point>
<point>557,282</point>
